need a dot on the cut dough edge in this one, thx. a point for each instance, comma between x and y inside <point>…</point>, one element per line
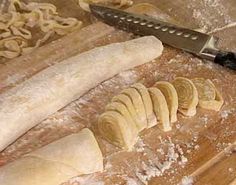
<point>185,88</point>
<point>121,134</point>
<point>171,97</point>
<point>150,115</point>
<point>160,108</point>
<point>214,102</point>
<point>138,105</point>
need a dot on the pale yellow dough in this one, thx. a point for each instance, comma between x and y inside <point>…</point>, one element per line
<point>160,108</point>
<point>187,96</point>
<point>171,97</point>
<point>56,163</point>
<point>143,91</point>
<point>122,109</point>
<point>114,128</point>
<point>125,100</point>
<point>209,97</point>
<point>137,102</point>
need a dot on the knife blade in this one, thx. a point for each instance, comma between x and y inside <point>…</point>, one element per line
<point>200,44</point>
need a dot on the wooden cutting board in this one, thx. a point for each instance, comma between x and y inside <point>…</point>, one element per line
<point>206,143</point>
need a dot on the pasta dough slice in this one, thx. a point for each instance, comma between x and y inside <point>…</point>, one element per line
<point>209,97</point>
<point>171,97</point>
<point>138,105</point>
<point>160,108</point>
<point>115,129</point>
<point>151,118</point>
<point>124,99</point>
<point>187,96</point>
<point>122,109</point>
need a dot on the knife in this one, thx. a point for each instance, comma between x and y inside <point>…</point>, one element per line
<point>197,43</point>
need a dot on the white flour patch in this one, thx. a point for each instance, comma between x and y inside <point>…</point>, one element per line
<point>186,181</point>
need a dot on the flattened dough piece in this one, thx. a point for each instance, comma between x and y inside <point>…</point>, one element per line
<point>35,171</point>
<point>171,97</point>
<point>143,91</point>
<point>30,102</point>
<point>122,109</point>
<point>160,108</point>
<point>114,128</point>
<point>209,97</point>
<point>137,102</point>
<point>81,151</point>
<point>187,96</point>
<point>55,163</point>
<point>125,100</point>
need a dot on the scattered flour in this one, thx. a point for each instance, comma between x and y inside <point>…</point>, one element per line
<point>151,168</point>
<point>186,181</point>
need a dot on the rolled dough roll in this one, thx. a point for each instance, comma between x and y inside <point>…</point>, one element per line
<point>29,103</point>
<point>56,163</point>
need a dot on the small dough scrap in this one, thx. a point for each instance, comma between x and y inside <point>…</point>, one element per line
<point>209,97</point>
<point>171,97</point>
<point>187,96</point>
<point>122,109</point>
<point>137,101</point>
<point>151,118</point>
<point>115,129</point>
<point>125,100</point>
<point>160,108</point>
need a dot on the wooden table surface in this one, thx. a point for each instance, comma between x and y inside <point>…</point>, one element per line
<point>208,140</point>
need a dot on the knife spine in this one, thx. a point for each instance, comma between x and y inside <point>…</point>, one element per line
<point>172,35</point>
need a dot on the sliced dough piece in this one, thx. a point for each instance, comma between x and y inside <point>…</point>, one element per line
<point>122,109</point>
<point>124,99</point>
<point>24,106</point>
<point>143,91</point>
<point>209,97</point>
<point>171,97</point>
<point>160,108</point>
<point>115,129</point>
<point>187,96</point>
<point>55,163</point>
<point>137,101</point>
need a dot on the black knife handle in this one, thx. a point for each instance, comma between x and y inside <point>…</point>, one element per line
<point>227,59</point>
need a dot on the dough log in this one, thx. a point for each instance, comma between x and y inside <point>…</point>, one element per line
<point>56,163</point>
<point>26,105</point>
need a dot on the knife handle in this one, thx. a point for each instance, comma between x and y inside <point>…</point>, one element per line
<point>227,59</point>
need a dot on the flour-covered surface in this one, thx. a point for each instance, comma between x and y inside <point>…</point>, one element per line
<point>198,150</point>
